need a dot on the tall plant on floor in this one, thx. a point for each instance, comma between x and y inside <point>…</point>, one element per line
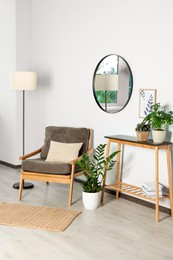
<point>95,169</point>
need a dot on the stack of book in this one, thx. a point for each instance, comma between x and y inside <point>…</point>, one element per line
<point>150,190</point>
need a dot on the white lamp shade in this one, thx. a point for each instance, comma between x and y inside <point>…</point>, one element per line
<point>23,80</point>
<point>106,82</point>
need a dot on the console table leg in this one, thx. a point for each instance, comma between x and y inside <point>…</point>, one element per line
<point>118,169</point>
<point>157,182</point>
<point>168,156</point>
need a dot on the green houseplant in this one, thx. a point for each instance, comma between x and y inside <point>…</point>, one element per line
<point>159,119</point>
<point>94,170</point>
<point>142,131</point>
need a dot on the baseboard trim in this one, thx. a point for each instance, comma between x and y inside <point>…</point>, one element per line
<point>10,165</point>
<point>134,199</point>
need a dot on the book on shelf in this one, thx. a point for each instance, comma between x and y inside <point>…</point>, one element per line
<point>152,193</point>
<point>151,186</point>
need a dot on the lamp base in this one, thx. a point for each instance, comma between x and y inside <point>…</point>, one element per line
<point>26,185</point>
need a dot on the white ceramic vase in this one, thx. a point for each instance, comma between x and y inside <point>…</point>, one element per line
<point>158,136</point>
<point>91,200</point>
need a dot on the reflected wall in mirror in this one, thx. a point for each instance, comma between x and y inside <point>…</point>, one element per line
<point>112,83</point>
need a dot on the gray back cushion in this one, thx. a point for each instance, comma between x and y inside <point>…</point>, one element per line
<point>65,135</point>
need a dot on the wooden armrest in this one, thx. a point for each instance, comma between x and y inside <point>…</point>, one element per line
<point>30,154</point>
<point>90,150</point>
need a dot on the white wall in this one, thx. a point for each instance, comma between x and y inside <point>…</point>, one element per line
<point>7,97</point>
<point>15,52</point>
<point>68,40</point>
<point>23,63</point>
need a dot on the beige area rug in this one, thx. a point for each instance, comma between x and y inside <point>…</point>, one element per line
<point>36,217</point>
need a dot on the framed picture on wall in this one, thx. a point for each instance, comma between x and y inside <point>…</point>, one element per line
<point>147,98</point>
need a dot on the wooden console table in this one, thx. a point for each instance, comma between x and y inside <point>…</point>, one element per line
<point>134,190</point>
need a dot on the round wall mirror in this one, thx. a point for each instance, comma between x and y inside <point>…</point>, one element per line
<point>112,83</point>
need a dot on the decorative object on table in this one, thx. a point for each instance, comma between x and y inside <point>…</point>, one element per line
<point>159,119</point>
<point>147,98</point>
<point>23,80</point>
<point>150,190</point>
<point>36,217</point>
<point>142,131</point>
<point>94,171</point>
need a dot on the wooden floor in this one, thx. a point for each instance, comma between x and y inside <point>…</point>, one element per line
<point>119,229</point>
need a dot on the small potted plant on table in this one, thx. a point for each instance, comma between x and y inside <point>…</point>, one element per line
<point>142,131</point>
<point>94,171</point>
<point>159,119</point>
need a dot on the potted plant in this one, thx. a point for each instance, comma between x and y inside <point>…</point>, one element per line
<point>142,131</point>
<point>159,119</point>
<point>94,171</point>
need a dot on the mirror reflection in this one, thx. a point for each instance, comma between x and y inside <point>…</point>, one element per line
<point>112,83</point>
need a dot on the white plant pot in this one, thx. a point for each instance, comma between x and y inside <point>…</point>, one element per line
<point>91,200</point>
<point>158,136</point>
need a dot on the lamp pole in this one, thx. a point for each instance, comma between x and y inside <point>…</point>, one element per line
<point>23,80</point>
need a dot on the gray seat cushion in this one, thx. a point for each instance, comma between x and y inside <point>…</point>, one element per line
<point>39,165</point>
<point>65,135</point>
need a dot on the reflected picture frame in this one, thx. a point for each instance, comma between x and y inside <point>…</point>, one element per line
<point>147,98</point>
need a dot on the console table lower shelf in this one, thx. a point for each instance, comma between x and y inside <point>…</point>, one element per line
<point>131,190</point>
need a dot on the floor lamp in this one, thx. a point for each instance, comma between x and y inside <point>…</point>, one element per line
<point>22,81</point>
<point>106,82</point>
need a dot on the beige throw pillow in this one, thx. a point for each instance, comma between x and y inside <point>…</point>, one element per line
<point>63,152</point>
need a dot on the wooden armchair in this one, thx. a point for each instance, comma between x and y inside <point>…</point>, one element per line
<point>42,169</point>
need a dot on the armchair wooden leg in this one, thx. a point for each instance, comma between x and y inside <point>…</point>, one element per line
<point>70,195</point>
<point>20,187</point>
<point>71,186</point>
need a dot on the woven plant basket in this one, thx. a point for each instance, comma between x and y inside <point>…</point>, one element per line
<point>142,136</point>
